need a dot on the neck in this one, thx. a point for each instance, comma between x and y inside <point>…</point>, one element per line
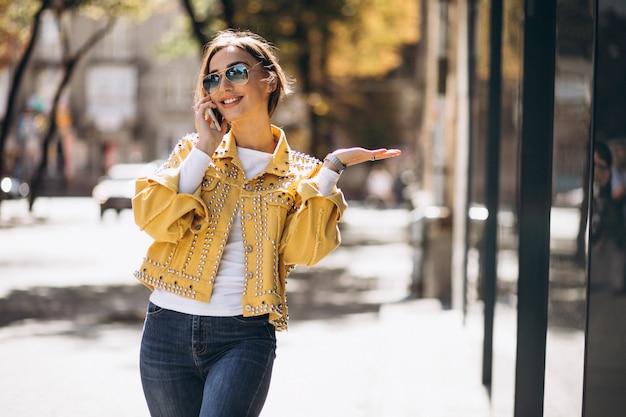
<point>253,136</point>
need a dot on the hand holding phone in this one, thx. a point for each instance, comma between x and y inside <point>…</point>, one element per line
<point>216,124</point>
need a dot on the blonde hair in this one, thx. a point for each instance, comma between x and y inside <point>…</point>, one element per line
<point>260,49</point>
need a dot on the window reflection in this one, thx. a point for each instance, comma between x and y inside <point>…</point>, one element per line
<point>606,335</point>
<point>606,236</point>
<point>565,339</point>
<point>605,374</point>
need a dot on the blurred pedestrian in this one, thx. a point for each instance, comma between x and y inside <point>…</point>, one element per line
<point>379,186</point>
<point>232,212</point>
<point>618,175</point>
<point>607,227</point>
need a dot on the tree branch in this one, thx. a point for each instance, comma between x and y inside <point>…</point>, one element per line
<point>17,81</point>
<point>196,25</point>
<point>70,64</point>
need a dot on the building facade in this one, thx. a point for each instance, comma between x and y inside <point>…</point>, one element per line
<point>123,104</point>
<point>547,272</point>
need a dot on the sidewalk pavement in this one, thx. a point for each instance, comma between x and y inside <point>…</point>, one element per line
<point>409,358</point>
<point>413,359</point>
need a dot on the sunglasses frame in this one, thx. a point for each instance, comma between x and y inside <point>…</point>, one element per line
<point>224,73</point>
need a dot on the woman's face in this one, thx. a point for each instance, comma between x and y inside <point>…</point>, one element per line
<point>601,171</point>
<point>240,102</point>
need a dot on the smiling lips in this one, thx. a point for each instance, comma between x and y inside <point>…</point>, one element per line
<point>231,100</point>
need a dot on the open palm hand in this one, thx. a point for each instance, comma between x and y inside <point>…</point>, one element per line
<point>357,155</point>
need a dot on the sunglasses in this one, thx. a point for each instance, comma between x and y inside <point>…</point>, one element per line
<point>237,74</point>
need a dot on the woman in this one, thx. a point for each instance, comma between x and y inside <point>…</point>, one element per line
<point>607,227</point>
<point>231,213</point>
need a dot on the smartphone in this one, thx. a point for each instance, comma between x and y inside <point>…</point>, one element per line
<point>216,117</point>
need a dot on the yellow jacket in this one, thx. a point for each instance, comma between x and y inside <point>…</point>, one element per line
<point>285,221</point>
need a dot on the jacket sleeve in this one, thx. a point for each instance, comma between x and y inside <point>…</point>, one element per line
<point>312,231</point>
<point>160,210</point>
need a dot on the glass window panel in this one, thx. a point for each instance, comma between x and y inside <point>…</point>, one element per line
<point>565,344</point>
<point>605,376</point>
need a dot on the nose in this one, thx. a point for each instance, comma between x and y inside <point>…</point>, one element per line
<point>227,83</point>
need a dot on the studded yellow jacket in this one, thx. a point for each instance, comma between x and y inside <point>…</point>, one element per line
<point>285,222</point>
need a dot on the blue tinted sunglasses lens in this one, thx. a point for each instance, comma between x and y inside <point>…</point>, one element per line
<point>237,74</point>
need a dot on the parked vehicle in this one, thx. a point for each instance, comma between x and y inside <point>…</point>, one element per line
<point>116,189</point>
<point>12,188</point>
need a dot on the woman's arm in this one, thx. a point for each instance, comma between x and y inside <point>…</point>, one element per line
<point>312,232</point>
<point>357,155</point>
<point>160,209</point>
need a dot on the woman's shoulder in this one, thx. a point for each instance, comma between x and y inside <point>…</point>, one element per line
<point>188,141</point>
<point>302,164</point>
<point>182,149</point>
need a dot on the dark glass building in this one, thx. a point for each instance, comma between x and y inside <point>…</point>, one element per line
<point>547,153</point>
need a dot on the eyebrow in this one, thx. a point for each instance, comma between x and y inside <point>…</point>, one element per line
<point>229,65</point>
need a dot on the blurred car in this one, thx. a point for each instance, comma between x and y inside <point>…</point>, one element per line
<point>12,188</point>
<point>116,189</point>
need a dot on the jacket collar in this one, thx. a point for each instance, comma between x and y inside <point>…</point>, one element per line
<point>278,165</point>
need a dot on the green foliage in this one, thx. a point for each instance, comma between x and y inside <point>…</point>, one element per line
<point>368,41</point>
<point>15,21</point>
<point>356,38</point>
<point>16,18</point>
<point>329,45</point>
<point>100,9</point>
<point>177,42</point>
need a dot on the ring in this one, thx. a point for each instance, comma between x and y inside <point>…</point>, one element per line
<point>373,158</point>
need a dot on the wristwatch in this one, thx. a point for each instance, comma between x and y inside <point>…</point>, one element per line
<point>336,162</point>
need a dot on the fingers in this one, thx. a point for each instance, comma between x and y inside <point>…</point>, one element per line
<point>201,108</point>
<point>358,155</point>
<point>378,154</point>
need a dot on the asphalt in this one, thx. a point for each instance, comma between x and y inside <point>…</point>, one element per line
<point>357,346</point>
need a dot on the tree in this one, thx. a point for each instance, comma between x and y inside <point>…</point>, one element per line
<point>69,62</point>
<point>105,10</point>
<point>14,36</point>
<point>15,22</point>
<point>321,41</point>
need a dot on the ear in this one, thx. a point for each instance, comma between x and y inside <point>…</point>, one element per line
<point>271,86</point>
<point>272,83</point>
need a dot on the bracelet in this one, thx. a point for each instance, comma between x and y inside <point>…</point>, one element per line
<point>336,162</point>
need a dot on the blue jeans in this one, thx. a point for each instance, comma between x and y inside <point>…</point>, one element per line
<point>194,366</point>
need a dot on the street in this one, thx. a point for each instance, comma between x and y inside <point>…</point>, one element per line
<point>63,262</point>
<point>64,243</point>
<point>72,313</point>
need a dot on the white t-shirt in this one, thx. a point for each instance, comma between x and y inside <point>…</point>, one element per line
<point>229,283</point>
